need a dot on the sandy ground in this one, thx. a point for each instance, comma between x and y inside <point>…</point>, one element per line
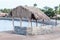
<point>10,35</point>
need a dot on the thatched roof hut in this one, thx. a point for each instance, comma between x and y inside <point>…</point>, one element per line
<point>28,12</point>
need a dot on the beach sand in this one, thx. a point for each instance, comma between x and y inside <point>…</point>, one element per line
<point>10,35</point>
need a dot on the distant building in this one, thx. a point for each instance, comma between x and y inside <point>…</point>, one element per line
<point>3,14</point>
<point>58,15</point>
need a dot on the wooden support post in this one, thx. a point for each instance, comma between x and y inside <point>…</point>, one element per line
<point>29,22</point>
<point>13,21</point>
<point>31,27</point>
<point>36,23</point>
<point>43,22</point>
<point>20,22</point>
<point>56,21</point>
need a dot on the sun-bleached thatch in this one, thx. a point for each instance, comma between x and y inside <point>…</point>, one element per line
<point>28,12</point>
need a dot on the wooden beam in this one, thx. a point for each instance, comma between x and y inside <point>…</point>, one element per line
<point>56,21</point>
<point>20,22</point>
<point>13,21</point>
<point>31,27</point>
<point>43,22</point>
<point>29,22</point>
<point>36,23</point>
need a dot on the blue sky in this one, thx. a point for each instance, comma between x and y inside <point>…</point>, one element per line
<point>40,3</point>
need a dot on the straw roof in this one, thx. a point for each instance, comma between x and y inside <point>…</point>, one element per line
<point>28,12</point>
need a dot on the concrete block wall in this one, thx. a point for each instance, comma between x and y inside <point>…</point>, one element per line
<point>29,30</point>
<point>20,30</point>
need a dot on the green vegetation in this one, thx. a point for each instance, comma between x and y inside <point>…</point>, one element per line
<point>5,10</point>
<point>50,11</point>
